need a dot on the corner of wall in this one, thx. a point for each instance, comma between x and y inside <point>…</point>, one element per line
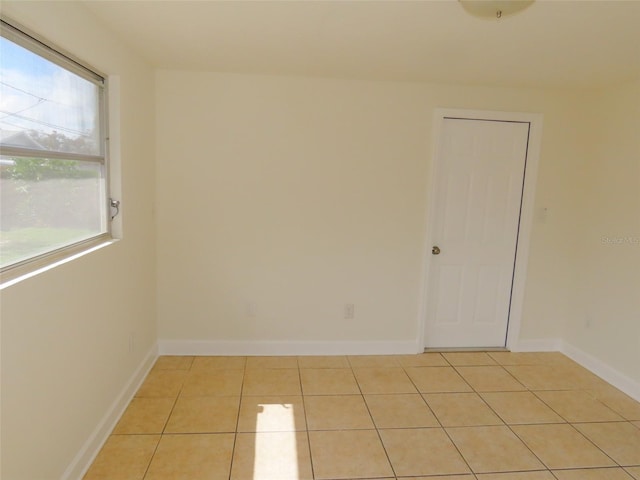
<point>88,452</point>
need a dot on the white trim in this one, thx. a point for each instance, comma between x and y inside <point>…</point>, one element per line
<point>609,374</point>
<point>526,218</point>
<point>526,225</point>
<point>258,347</point>
<point>48,261</point>
<point>616,378</point>
<point>87,454</point>
<point>538,345</point>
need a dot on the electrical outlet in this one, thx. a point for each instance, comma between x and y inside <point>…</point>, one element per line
<point>349,311</point>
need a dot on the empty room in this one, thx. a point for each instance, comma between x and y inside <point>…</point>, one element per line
<point>320,240</point>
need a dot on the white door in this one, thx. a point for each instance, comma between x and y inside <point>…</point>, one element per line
<point>479,189</point>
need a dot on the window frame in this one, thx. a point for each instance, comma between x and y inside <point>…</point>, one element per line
<point>42,47</point>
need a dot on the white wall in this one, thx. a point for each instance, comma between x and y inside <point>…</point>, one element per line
<point>606,323</point>
<point>297,196</point>
<point>65,333</point>
<point>281,199</point>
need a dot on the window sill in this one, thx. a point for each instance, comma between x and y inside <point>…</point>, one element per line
<point>23,272</point>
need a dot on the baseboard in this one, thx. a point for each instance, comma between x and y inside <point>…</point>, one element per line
<point>87,454</point>
<point>538,345</point>
<point>609,374</point>
<point>79,465</point>
<point>231,347</point>
<point>619,380</point>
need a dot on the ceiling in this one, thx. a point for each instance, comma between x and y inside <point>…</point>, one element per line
<point>554,43</point>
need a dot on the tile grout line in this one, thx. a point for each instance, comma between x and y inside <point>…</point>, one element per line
<point>306,421</point>
<point>403,369</point>
<point>438,420</point>
<point>164,427</point>
<point>567,422</point>
<point>595,445</point>
<point>562,417</point>
<point>535,393</point>
<point>235,433</point>
<point>384,448</point>
<point>505,423</point>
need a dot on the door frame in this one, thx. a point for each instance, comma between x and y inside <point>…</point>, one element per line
<point>526,211</point>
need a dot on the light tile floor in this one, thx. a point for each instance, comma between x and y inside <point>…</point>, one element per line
<point>449,416</point>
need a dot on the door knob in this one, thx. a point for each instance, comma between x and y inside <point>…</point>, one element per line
<point>435,250</point>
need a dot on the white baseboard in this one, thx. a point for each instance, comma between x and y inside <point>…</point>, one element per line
<point>79,465</point>
<point>609,374</point>
<point>538,345</point>
<point>87,454</point>
<point>616,378</point>
<point>257,347</point>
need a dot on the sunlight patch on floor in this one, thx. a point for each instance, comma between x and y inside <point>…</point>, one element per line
<point>276,454</point>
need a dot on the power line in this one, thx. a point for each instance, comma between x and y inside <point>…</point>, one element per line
<point>25,109</point>
<point>12,124</point>
<point>46,124</point>
<point>24,91</point>
<point>34,95</point>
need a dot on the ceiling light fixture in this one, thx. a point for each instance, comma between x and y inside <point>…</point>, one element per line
<point>494,8</point>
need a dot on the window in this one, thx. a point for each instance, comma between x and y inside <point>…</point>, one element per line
<point>53,183</point>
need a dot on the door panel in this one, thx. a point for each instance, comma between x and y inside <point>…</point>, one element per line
<point>448,303</point>
<point>481,166</point>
